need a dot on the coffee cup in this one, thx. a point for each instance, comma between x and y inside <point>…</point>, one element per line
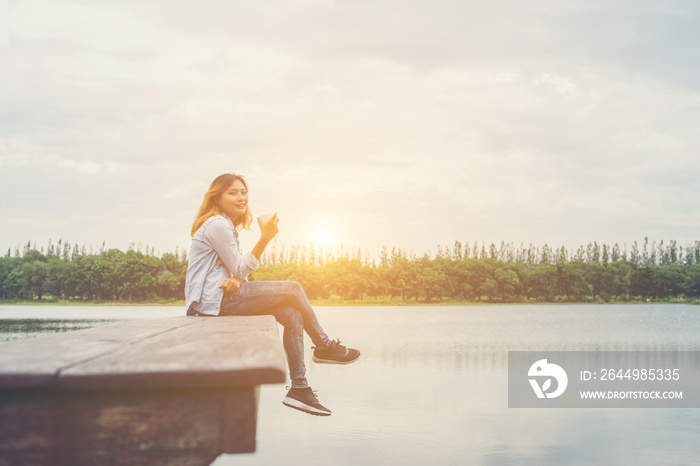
<point>265,218</point>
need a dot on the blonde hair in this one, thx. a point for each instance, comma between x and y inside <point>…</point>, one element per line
<point>210,205</point>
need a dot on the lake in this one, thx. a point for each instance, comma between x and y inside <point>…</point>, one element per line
<point>431,386</point>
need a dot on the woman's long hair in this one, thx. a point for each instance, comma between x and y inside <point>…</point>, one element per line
<point>210,205</point>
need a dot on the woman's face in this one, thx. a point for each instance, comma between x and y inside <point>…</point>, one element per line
<point>234,201</point>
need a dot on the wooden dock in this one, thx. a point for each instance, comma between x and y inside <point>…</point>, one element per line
<point>176,391</point>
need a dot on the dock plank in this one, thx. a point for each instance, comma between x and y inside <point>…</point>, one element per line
<point>212,352</point>
<point>37,362</point>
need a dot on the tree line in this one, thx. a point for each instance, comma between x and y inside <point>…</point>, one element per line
<point>646,253</point>
<point>464,272</point>
<point>68,271</point>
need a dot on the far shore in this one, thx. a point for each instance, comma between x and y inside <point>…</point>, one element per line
<point>337,301</point>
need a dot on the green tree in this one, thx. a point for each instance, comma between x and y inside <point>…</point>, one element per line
<point>541,283</point>
<point>643,282</point>
<point>571,282</point>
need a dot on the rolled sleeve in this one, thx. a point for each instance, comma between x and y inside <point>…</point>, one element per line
<point>251,261</point>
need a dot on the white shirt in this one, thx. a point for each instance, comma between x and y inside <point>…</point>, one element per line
<point>215,255</point>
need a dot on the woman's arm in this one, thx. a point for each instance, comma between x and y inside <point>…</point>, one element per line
<point>221,235</point>
<point>268,231</point>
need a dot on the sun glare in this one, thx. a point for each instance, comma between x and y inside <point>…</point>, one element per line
<point>323,236</point>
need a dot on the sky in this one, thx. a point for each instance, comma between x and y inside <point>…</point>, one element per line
<point>404,123</point>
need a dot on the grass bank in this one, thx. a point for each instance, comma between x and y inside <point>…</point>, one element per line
<point>70,302</point>
<point>340,301</point>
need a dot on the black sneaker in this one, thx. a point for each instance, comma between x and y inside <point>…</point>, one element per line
<point>335,353</point>
<point>304,399</point>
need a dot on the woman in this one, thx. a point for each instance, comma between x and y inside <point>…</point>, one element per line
<point>217,285</point>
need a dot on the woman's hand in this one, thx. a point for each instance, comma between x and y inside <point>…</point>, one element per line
<point>269,229</point>
<point>231,285</point>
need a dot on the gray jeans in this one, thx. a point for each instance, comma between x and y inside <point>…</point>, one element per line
<point>287,302</point>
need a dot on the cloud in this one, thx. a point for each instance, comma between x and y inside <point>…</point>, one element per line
<point>538,122</point>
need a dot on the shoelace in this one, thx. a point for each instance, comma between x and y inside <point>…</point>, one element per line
<point>337,343</point>
<point>333,344</point>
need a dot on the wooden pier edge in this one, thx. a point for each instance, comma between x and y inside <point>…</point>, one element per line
<point>176,391</point>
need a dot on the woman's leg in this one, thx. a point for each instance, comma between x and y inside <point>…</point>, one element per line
<point>260,297</point>
<point>287,302</point>
<point>293,340</point>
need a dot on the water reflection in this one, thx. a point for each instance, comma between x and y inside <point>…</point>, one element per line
<point>477,339</point>
<point>18,329</point>
<point>20,322</point>
<point>431,388</point>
